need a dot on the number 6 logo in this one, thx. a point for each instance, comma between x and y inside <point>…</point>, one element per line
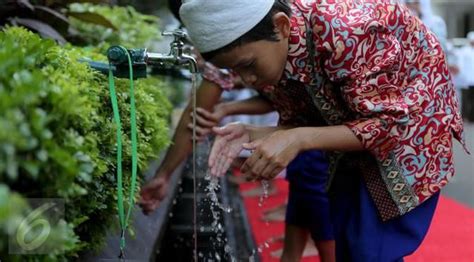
<point>33,220</point>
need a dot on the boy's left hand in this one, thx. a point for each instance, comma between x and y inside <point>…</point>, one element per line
<point>227,146</point>
<point>271,155</point>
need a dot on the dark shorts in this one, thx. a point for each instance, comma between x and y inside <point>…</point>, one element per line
<point>308,203</point>
<point>360,233</point>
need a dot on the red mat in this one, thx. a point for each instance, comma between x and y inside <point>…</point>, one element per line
<point>450,239</point>
<point>451,236</point>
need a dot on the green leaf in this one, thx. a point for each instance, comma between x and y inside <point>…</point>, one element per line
<point>93,18</point>
<point>32,168</point>
<point>26,3</point>
<point>52,12</point>
<point>42,28</point>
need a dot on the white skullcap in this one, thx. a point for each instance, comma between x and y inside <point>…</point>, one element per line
<point>470,36</point>
<point>213,24</point>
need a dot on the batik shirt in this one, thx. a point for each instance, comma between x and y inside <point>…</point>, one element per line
<point>221,77</point>
<point>373,67</point>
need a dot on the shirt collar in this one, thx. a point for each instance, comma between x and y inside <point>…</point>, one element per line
<point>297,67</point>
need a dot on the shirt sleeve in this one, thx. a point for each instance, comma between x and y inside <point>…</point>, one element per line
<point>223,78</point>
<point>363,63</point>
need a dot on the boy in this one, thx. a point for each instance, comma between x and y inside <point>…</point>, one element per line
<point>379,79</point>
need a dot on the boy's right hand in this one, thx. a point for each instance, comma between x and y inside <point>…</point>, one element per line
<point>152,193</point>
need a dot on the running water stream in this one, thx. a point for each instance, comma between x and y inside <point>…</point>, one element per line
<point>212,192</point>
<point>199,165</point>
<point>194,90</point>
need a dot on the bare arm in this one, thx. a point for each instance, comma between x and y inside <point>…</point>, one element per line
<point>331,138</point>
<point>274,149</point>
<point>206,119</point>
<point>207,96</point>
<point>252,106</point>
<point>155,190</point>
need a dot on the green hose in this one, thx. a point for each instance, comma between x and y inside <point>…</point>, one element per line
<point>124,220</point>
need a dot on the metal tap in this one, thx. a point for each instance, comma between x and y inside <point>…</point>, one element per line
<point>141,58</point>
<point>176,55</point>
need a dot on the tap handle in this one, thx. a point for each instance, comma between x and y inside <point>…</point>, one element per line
<point>178,34</point>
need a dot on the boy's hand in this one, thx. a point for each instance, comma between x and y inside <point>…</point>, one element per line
<point>271,154</point>
<point>206,120</point>
<point>227,146</point>
<point>152,193</point>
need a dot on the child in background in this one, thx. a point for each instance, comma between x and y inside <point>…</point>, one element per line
<point>423,10</point>
<point>208,94</point>
<point>379,80</point>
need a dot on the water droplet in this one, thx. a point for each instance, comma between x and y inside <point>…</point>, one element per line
<point>252,258</point>
<point>265,186</point>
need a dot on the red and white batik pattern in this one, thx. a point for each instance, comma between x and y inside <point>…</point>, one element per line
<point>375,68</point>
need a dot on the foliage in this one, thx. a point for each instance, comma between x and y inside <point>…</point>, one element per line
<point>49,18</point>
<point>82,22</point>
<point>135,30</point>
<point>14,210</point>
<point>57,136</point>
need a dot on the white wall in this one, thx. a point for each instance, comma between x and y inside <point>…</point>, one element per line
<point>458,14</point>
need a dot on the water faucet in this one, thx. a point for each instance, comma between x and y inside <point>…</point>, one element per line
<point>176,55</point>
<point>119,65</point>
<point>141,58</point>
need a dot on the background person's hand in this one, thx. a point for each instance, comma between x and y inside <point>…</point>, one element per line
<point>227,146</point>
<point>153,193</point>
<point>206,120</point>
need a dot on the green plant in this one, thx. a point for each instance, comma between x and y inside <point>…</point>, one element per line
<point>135,30</point>
<point>14,211</point>
<point>57,136</point>
<point>82,22</point>
<point>49,18</point>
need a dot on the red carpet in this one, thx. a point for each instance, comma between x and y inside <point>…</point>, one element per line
<point>451,236</point>
<point>450,239</point>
